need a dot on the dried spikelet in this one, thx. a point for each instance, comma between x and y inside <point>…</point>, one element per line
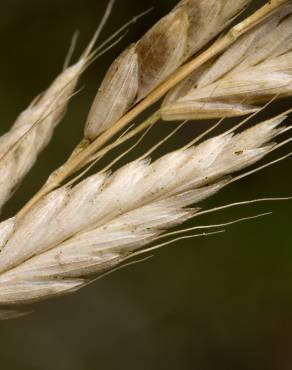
<point>207,18</point>
<point>55,250</point>
<point>256,68</point>
<point>162,50</point>
<point>66,238</point>
<point>175,38</point>
<point>33,129</point>
<point>121,82</point>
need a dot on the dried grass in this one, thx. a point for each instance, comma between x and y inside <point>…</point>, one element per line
<point>67,235</point>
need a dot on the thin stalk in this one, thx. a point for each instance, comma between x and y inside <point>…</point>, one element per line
<point>95,159</point>
<point>143,126</point>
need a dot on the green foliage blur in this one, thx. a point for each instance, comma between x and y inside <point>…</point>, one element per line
<point>220,302</point>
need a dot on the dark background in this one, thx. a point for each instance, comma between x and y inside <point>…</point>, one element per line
<point>222,302</point>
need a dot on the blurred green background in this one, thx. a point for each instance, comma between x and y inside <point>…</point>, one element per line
<point>222,302</point>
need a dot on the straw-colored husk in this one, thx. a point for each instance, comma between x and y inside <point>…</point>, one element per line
<point>67,237</point>
<point>141,68</point>
<point>33,130</point>
<point>34,127</point>
<point>74,233</point>
<point>255,69</point>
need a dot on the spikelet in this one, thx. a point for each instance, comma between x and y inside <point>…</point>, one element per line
<point>207,18</point>
<point>174,39</point>
<point>159,51</point>
<point>33,129</point>
<point>256,68</point>
<point>76,233</point>
<point>121,81</point>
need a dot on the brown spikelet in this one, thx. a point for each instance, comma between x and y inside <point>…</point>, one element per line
<point>162,50</point>
<point>165,47</point>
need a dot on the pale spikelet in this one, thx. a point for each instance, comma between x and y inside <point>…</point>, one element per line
<point>74,234</point>
<point>256,68</point>
<point>121,82</point>
<point>176,37</point>
<point>33,129</point>
<point>6,229</point>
